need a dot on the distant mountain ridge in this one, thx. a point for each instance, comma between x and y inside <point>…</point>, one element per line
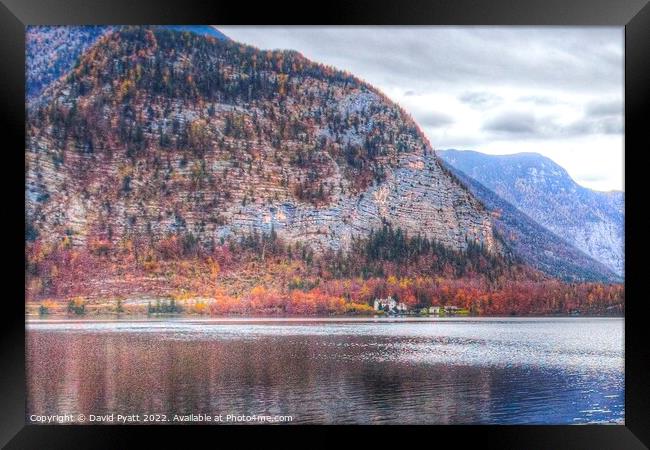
<point>52,51</point>
<point>205,30</point>
<point>534,244</point>
<point>591,221</point>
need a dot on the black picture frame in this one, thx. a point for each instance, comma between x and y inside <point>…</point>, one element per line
<point>634,15</point>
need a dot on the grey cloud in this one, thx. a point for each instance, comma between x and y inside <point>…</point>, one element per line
<point>512,123</point>
<point>605,108</point>
<point>442,57</point>
<point>612,125</point>
<point>433,119</point>
<point>524,125</point>
<point>540,100</point>
<point>548,70</point>
<point>605,125</point>
<point>480,100</point>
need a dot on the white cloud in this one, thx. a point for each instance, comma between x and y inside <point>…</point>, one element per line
<point>557,91</point>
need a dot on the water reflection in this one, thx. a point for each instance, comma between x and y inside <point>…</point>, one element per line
<point>490,372</point>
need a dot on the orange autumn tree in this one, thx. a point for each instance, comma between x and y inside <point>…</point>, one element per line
<point>226,304</point>
<point>262,299</point>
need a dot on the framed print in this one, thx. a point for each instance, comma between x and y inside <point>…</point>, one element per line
<point>413,218</point>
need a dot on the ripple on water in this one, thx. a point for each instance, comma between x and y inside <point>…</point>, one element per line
<point>472,371</point>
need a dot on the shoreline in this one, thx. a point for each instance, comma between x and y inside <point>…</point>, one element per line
<point>294,319</point>
<point>186,309</point>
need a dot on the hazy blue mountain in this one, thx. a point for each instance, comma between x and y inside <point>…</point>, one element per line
<point>533,243</point>
<point>592,221</point>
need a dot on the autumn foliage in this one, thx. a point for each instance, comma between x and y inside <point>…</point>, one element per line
<point>261,274</point>
<point>164,131</point>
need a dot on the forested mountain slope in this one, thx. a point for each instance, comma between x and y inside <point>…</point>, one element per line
<point>158,132</point>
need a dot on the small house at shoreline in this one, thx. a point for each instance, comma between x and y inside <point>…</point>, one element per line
<point>437,310</point>
<point>390,305</point>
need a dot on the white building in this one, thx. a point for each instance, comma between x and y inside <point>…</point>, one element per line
<point>447,310</point>
<point>390,305</point>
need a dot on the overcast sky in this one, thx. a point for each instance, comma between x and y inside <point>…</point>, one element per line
<point>552,90</point>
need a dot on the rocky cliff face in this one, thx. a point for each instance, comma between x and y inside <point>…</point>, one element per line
<point>158,132</point>
<point>591,221</point>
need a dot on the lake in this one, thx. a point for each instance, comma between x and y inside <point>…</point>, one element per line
<point>326,371</point>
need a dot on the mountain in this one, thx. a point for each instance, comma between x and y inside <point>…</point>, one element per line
<point>52,51</point>
<point>203,30</point>
<point>533,243</point>
<point>591,221</point>
<point>157,133</point>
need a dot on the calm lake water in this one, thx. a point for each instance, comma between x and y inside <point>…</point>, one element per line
<point>444,371</point>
